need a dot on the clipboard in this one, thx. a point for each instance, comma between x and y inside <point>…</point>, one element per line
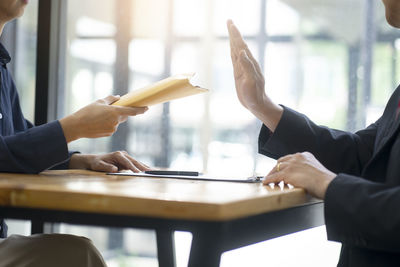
<point>252,179</point>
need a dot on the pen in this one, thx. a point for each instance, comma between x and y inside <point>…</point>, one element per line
<point>179,173</point>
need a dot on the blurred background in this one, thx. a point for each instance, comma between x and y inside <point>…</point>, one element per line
<point>334,60</point>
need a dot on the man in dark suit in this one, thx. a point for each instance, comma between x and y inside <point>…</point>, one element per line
<point>28,149</point>
<point>356,174</point>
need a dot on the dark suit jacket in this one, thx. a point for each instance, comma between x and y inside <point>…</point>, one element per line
<point>23,147</point>
<point>362,204</point>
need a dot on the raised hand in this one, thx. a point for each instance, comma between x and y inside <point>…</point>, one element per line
<point>250,82</point>
<point>249,79</point>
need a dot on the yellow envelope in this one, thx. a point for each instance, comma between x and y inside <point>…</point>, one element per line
<point>160,92</point>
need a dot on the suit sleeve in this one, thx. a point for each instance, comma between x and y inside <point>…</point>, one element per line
<point>363,213</point>
<point>34,150</point>
<point>297,133</point>
<point>63,165</point>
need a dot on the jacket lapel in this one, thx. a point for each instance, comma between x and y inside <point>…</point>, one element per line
<point>390,131</point>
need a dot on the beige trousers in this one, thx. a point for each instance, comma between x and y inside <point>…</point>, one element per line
<point>49,250</point>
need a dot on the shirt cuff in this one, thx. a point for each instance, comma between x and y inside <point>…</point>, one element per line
<point>273,144</point>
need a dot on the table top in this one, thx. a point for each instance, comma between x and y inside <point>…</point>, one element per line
<point>94,192</point>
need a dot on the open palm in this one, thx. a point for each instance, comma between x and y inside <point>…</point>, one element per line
<point>249,80</point>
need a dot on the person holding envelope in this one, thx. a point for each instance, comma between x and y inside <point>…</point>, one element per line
<point>356,174</point>
<point>28,149</point>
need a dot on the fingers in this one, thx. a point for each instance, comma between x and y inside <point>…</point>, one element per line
<point>275,178</point>
<point>123,162</point>
<point>141,166</point>
<point>103,166</point>
<point>128,111</point>
<point>115,161</point>
<point>277,168</point>
<point>236,40</point>
<point>233,54</point>
<point>237,68</point>
<point>283,162</point>
<point>238,44</point>
<point>123,111</point>
<point>246,63</point>
<point>278,172</point>
<point>110,99</point>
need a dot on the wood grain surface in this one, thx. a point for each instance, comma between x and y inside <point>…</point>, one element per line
<point>86,191</point>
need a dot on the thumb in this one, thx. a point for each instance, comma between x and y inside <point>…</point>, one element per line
<point>111,99</point>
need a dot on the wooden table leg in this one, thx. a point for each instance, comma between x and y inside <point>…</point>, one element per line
<point>166,248</point>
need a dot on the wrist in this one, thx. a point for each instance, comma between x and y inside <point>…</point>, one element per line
<point>70,128</point>
<point>268,112</point>
<point>325,184</point>
<point>79,161</point>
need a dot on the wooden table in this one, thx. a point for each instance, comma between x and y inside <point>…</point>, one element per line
<point>221,215</point>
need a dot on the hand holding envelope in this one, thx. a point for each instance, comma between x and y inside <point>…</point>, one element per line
<point>171,88</point>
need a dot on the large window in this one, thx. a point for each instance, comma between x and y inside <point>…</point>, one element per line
<point>333,60</point>
<point>312,62</point>
<point>20,37</point>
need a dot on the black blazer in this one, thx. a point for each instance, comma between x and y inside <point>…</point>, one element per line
<point>362,204</point>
